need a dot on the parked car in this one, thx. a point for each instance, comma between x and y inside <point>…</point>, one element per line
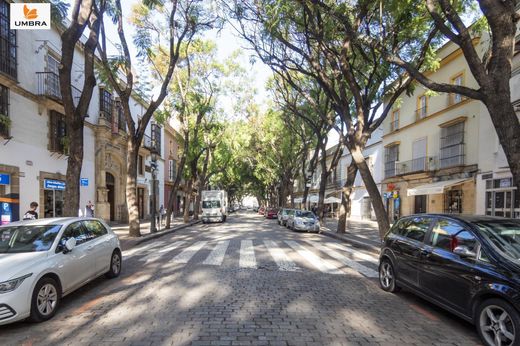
<point>43,260</point>
<point>303,220</point>
<point>271,213</point>
<point>468,265</point>
<point>283,215</point>
<point>261,210</point>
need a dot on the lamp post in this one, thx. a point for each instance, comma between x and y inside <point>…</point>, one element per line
<point>153,227</point>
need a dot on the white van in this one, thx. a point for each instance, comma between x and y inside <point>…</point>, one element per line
<point>214,206</point>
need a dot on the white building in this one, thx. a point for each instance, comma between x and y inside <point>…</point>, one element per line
<point>33,142</point>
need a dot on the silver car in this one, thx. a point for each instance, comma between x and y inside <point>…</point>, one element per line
<point>303,220</point>
<point>283,215</point>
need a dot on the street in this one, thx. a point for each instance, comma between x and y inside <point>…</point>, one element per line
<point>245,282</point>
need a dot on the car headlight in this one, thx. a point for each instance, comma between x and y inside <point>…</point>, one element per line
<point>11,285</point>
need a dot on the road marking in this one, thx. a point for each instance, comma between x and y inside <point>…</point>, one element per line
<point>318,262</point>
<point>187,254</point>
<point>280,257</point>
<point>131,252</point>
<point>216,257</point>
<point>370,273</point>
<point>154,256</point>
<point>247,254</point>
<point>358,254</point>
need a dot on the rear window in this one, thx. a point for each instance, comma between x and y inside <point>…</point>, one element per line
<point>210,204</point>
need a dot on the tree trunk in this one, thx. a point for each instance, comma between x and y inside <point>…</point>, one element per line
<point>373,191</point>
<point>202,179</point>
<point>131,188</point>
<point>187,204</point>
<point>346,203</point>
<point>323,185</point>
<point>74,165</point>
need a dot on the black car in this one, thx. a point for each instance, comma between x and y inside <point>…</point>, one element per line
<point>469,265</point>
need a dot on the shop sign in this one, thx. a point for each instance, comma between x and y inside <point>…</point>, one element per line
<point>5,179</point>
<point>83,182</point>
<point>50,184</point>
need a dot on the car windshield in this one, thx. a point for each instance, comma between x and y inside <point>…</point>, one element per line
<point>210,204</point>
<point>305,214</point>
<point>27,238</point>
<point>504,235</point>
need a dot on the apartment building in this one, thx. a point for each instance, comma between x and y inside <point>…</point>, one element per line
<point>173,146</point>
<point>431,145</point>
<point>33,138</point>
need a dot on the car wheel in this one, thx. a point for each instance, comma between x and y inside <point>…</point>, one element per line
<point>115,265</point>
<point>497,323</point>
<point>387,276</point>
<point>45,299</point>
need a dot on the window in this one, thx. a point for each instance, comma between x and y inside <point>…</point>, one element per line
<point>422,107</point>
<point>58,133</point>
<point>391,157</point>
<point>447,235</point>
<point>210,204</point>
<point>140,165</point>
<point>394,124</point>
<point>77,231</point>
<point>453,201</point>
<point>414,228</point>
<point>457,80</point>
<point>171,147</point>
<point>52,79</point>
<point>4,111</point>
<point>96,228</point>
<point>27,238</point>
<point>156,138</point>
<point>452,145</point>
<point>172,167</point>
<point>105,103</point>
<point>7,42</point>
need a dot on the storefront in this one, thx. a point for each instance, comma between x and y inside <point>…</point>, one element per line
<point>502,199</point>
<point>9,194</point>
<point>53,198</point>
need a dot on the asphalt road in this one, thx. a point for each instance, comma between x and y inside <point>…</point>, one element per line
<point>245,282</point>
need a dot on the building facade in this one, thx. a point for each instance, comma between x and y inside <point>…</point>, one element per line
<point>33,138</point>
<point>173,146</point>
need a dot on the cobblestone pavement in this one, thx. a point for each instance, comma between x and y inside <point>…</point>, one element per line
<point>245,282</point>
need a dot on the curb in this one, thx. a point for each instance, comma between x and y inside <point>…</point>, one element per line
<point>345,238</point>
<point>132,242</point>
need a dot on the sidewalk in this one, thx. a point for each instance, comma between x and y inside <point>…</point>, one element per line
<point>361,233</point>
<point>127,242</point>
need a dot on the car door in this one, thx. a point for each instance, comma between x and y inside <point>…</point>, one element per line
<point>446,276</point>
<point>76,266</point>
<point>100,246</point>
<point>408,246</point>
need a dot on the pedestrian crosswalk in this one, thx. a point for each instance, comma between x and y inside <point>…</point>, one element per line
<point>287,255</point>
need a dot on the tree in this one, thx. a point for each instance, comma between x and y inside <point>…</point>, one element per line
<point>181,19</point>
<point>491,70</point>
<point>85,13</point>
<point>307,37</point>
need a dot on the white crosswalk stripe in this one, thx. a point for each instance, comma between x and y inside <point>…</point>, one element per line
<point>154,256</point>
<point>356,253</point>
<point>247,254</point>
<point>189,252</point>
<point>345,260</point>
<point>318,262</point>
<point>137,250</point>
<point>216,257</point>
<point>280,257</point>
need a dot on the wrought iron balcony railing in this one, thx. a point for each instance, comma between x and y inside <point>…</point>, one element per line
<point>49,86</point>
<point>421,164</point>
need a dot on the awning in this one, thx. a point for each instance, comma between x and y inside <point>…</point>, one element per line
<point>330,200</point>
<point>435,188</point>
<point>298,200</point>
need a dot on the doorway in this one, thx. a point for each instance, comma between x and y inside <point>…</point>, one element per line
<point>140,202</point>
<point>420,204</point>
<point>366,208</point>
<point>110,181</point>
<point>53,203</point>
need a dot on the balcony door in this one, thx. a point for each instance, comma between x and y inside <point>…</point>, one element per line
<point>419,155</point>
<point>52,79</point>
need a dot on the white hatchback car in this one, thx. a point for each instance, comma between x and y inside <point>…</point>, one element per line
<point>43,260</point>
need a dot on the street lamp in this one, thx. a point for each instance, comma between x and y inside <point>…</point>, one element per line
<point>153,165</point>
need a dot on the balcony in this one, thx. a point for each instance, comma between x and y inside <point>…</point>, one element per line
<point>149,144</point>
<point>49,86</point>
<point>421,164</point>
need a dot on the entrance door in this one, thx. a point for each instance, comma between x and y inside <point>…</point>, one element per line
<point>419,155</point>
<point>140,202</point>
<point>110,180</point>
<point>420,204</point>
<point>502,201</point>
<point>53,203</point>
<point>366,208</point>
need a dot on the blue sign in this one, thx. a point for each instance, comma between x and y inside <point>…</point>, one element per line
<point>5,179</point>
<point>83,182</point>
<point>53,184</point>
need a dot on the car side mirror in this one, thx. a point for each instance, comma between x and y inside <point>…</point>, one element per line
<point>70,244</point>
<point>464,252</point>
